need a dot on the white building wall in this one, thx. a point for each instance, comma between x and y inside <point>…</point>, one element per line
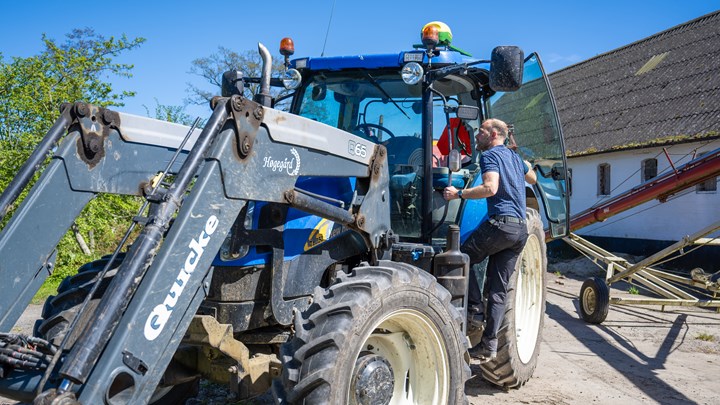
<point>684,214</point>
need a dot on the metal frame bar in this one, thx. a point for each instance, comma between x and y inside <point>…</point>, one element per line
<point>660,282</point>
<point>688,240</point>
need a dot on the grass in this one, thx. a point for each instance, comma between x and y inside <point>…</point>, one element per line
<point>48,288</point>
<point>705,337</point>
<point>633,290</point>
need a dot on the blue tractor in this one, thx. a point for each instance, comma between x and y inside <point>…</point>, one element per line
<point>297,242</point>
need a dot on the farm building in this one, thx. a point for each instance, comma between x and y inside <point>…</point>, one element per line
<point>631,114</point>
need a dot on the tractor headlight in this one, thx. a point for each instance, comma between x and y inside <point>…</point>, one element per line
<point>291,79</point>
<point>412,73</point>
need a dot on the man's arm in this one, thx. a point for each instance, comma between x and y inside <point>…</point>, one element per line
<point>491,181</point>
<point>530,176</point>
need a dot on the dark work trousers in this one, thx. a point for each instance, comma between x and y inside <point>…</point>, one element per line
<point>502,242</point>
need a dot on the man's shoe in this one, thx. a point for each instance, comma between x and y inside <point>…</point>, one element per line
<point>479,352</point>
<point>475,324</point>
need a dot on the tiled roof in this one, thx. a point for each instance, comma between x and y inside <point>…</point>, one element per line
<point>659,90</point>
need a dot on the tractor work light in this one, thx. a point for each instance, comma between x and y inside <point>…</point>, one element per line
<point>413,57</point>
<point>412,73</point>
<point>291,79</point>
<point>468,112</point>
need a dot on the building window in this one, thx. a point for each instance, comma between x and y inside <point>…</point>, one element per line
<point>604,179</point>
<point>709,185</point>
<point>649,169</point>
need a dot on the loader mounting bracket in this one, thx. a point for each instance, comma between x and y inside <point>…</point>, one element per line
<point>247,116</point>
<point>94,124</point>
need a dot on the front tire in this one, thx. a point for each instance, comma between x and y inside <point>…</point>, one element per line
<point>521,330</point>
<point>385,334</point>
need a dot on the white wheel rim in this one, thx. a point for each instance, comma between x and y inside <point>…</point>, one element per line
<point>528,298</point>
<point>414,347</point>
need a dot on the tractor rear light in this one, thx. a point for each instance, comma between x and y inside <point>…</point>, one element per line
<point>412,73</point>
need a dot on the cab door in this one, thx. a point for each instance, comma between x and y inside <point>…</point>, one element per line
<point>532,112</point>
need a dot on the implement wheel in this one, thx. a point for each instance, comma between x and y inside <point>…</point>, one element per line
<point>594,300</point>
<point>380,335</point>
<point>521,330</point>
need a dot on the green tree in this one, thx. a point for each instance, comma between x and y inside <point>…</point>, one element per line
<point>212,67</point>
<point>31,91</point>
<point>171,113</point>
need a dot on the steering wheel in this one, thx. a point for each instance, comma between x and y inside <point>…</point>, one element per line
<point>365,128</point>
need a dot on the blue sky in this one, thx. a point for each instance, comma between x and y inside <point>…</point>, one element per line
<point>562,32</point>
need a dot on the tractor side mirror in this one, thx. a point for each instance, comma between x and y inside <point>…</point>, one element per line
<point>319,93</point>
<point>506,68</point>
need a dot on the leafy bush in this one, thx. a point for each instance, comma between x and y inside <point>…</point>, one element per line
<point>31,91</point>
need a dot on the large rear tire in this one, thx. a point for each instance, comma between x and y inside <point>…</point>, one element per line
<point>385,334</point>
<point>60,310</point>
<point>521,330</point>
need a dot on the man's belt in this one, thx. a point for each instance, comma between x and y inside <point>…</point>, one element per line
<point>506,219</point>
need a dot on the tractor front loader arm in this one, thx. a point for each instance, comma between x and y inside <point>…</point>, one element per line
<point>92,158</point>
<point>280,150</point>
<point>246,152</point>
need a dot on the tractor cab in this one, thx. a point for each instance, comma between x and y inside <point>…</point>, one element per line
<point>425,106</point>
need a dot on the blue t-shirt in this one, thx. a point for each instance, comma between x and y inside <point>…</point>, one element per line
<point>510,197</point>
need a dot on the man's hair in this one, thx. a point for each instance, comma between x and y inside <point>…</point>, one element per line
<point>499,126</point>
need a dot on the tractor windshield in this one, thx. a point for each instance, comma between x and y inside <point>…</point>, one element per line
<point>380,107</point>
<point>377,107</point>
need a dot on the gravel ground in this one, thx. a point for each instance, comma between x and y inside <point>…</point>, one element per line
<point>639,355</point>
